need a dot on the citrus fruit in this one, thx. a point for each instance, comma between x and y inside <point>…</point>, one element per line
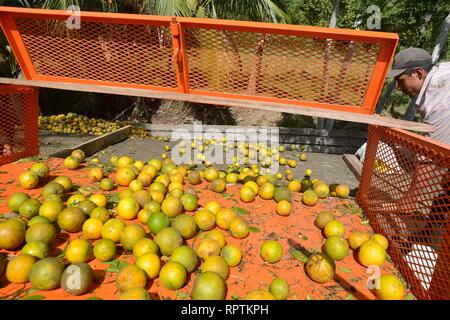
<point>38,219</point>
<point>259,295</point>
<point>186,256</point>
<point>284,208</point>
<point>153,206</point>
<point>390,288</point>
<point>71,219</point>
<point>371,253</point>
<point>78,251</point>
<point>86,207</point>
<point>124,176</point>
<point>156,163</point>
<point>207,247</point>
<point>128,208</point>
<point>16,200</point>
<point>231,178</point>
<point>41,231</point>
<point>186,225</point>
<point>77,279</point>
<point>124,161</point>
<point>321,189</point>
<point>36,248</point>
<point>310,198</point>
<point>135,294</point>
<point>53,188</point>
<point>271,251</point>
<point>194,178</point>
<point>29,208</point>
<point>46,274</point>
<point>213,206</point>
<point>100,213</point>
<point>357,238</point>
<point>144,246</point>
<point>294,186</point>
<point>126,193</point>
<point>65,181</point>
<point>28,180</point>
<point>136,185</point>
<point>336,247</point>
<point>266,191</point>
<point>216,264</point>
<point>112,229</point>
<point>95,174</point>
<point>142,197</point>
<point>98,199</point>
<point>143,215</point>
<point>105,250</point>
<point>51,210</point>
<point>211,174</point>
<point>218,236</point>
<point>75,200</point>
<point>323,218</point>
<point>168,239</point>
<point>78,154</point>
<point>382,241</point>
<point>209,286</point>
<point>130,277</point>
<point>189,202</point>
<point>172,206</point>
<point>342,190</point>
<point>41,169</point>
<point>92,228</point>
<point>247,194</point>
<point>107,184</point>
<point>71,163</point>
<point>239,228</point>
<point>19,268</point>
<point>218,185</point>
<point>232,255</point>
<point>334,228</point>
<point>150,263</point>
<point>158,221</point>
<point>224,217</point>
<point>172,275</point>
<point>279,288</point>
<point>205,219</point>
<point>253,185</point>
<point>281,193</point>
<point>320,268</point>
<point>130,235</point>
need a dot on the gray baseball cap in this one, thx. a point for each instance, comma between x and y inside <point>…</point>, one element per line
<point>408,59</point>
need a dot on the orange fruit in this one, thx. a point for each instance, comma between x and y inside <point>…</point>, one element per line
<point>131,235</point>
<point>207,247</point>
<point>36,248</point>
<point>158,221</point>
<point>75,199</point>
<point>151,170</point>
<point>247,194</point>
<point>232,255</point>
<point>130,277</point>
<point>41,169</point>
<point>205,219</point>
<point>382,241</point>
<point>334,228</point>
<point>153,206</point>
<point>150,263</point>
<point>323,218</point>
<point>86,207</point>
<point>224,217</point>
<point>321,189</point>
<point>95,174</point>
<point>18,269</point>
<point>124,161</point>
<point>126,193</point>
<point>213,206</point>
<point>216,264</point>
<point>155,163</point>
<point>189,202</point>
<point>253,185</point>
<point>28,180</point>
<point>143,215</point>
<point>136,185</point>
<point>145,246</point>
<point>71,219</point>
<point>78,154</point>
<point>78,251</point>
<point>271,251</point>
<point>310,198</point>
<point>186,256</point>
<point>186,225</point>
<point>71,163</point>
<point>390,288</point>
<point>194,178</point>
<point>163,179</point>
<point>128,208</point>
<point>168,239</point>
<point>107,184</point>
<point>172,206</point>
<point>371,253</point>
<point>218,236</point>
<point>259,295</point>
<point>357,238</point>
<point>142,197</point>
<point>146,178</point>
<point>29,208</point>
<point>101,214</point>
<point>139,164</point>
<point>105,250</point>
<point>336,247</point>
<point>41,231</point>
<point>342,190</point>
<point>134,294</point>
<point>211,174</point>
<point>99,199</point>
<point>279,288</point>
<point>124,176</point>
<point>92,228</point>
<point>294,186</point>
<point>284,208</point>
<point>239,228</point>
<point>16,200</point>
<point>112,229</point>
<point>173,275</point>
<point>320,268</point>
<point>46,274</point>
<point>282,193</point>
<point>209,286</point>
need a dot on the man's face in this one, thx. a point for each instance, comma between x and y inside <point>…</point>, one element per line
<point>411,84</point>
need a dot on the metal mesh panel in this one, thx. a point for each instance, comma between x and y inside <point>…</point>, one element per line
<point>121,53</point>
<point>279,66</point>
<point>405,192</point>
<point>18,123</point>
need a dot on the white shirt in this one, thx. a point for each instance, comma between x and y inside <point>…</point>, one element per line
<point>433,101</point>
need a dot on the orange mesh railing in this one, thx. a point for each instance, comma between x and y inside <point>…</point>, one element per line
<point>405,192</point>
<point>18,123</point>
<point>308,66</point>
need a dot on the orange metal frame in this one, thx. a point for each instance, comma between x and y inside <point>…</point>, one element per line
<point>387,43</point>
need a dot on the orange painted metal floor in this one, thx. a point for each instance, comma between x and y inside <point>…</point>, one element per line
<point>253,273</point>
